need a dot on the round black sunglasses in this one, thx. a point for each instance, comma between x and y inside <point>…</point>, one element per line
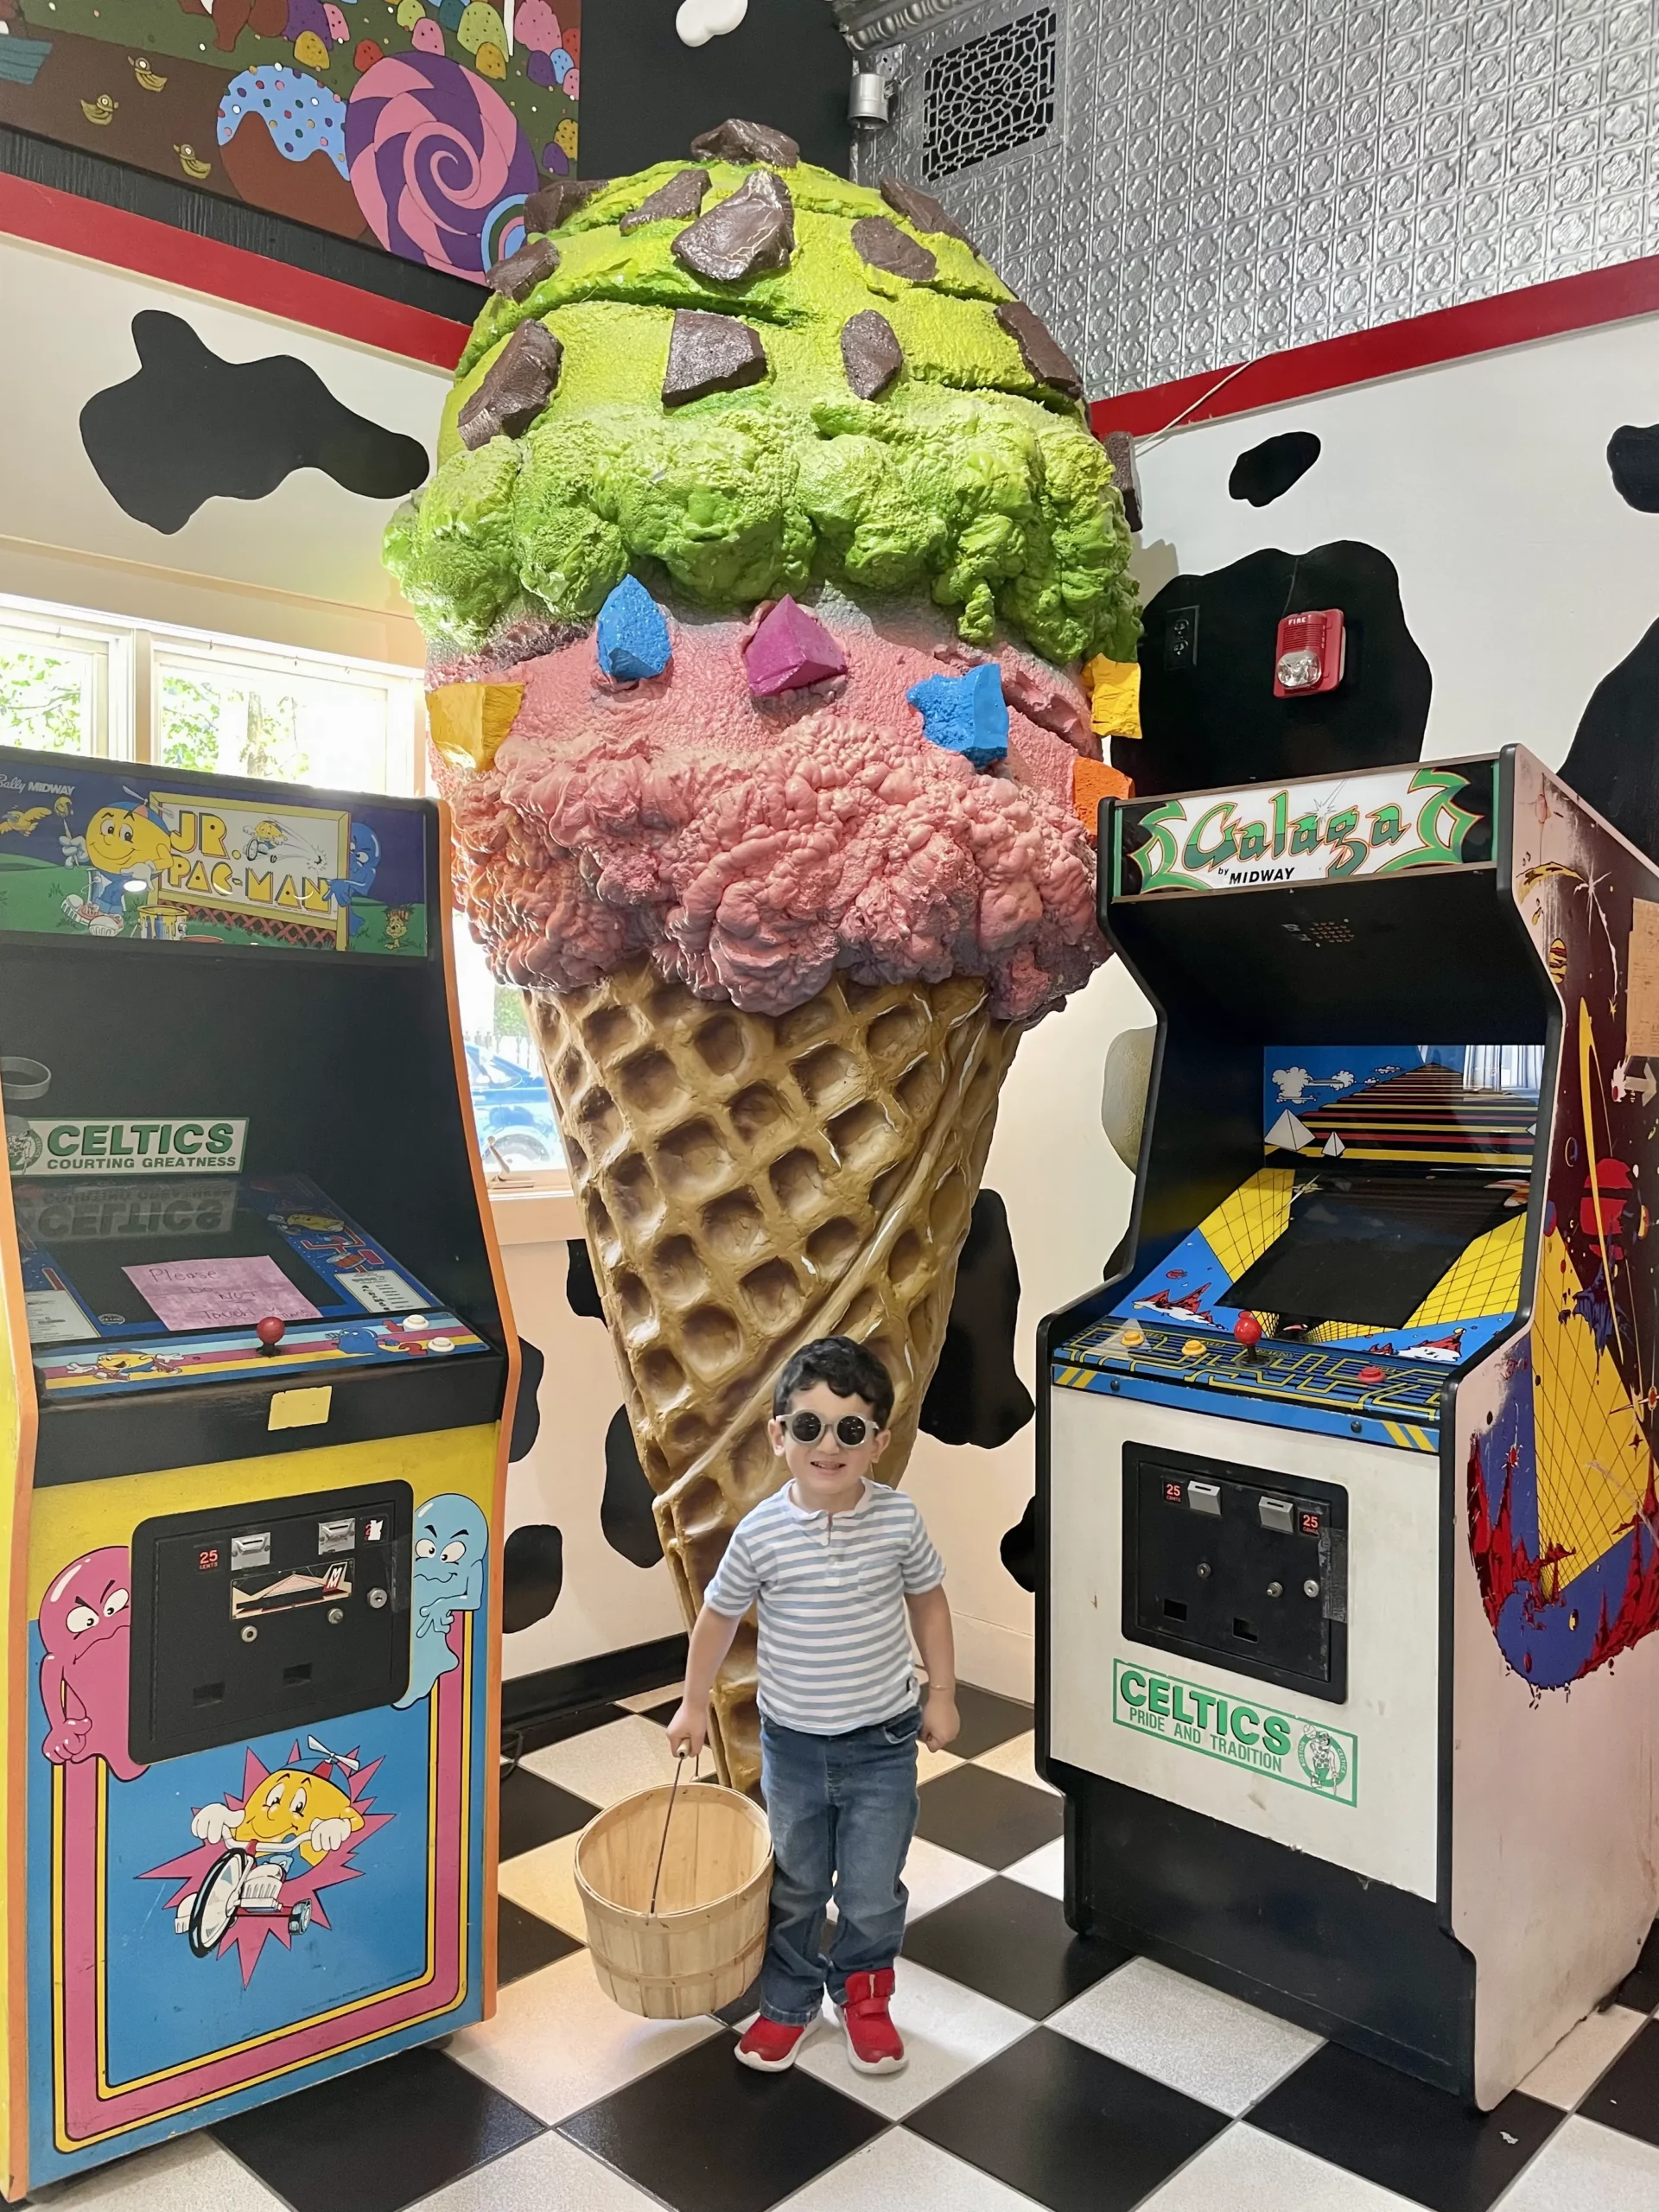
<point>852,1429</point>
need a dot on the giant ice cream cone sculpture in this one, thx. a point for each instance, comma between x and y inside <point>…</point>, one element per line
<point>764,524</point>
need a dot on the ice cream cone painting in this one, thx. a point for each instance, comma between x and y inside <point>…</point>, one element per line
<point>766,541</point>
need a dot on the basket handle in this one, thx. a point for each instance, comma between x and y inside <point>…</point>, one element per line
<point>662,1848</point>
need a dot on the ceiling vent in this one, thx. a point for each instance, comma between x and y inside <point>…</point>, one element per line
<point>989,95</point>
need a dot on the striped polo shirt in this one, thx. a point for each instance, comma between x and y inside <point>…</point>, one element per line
<point>835,1637</point>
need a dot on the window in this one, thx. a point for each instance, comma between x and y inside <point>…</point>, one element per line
<point>55,685</point>
<point>517,1135</point>
<point>234,712</point>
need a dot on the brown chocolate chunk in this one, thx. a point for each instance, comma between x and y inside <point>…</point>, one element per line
<point>680,198</point>
<point>710,353</point>
<point>1038,349</point>
<point>870,353</point>
<point>517,278</point>
<point>1120,451</point>
<point>736,140</point>
<point>922,209</point>
<point>558,199</point>
<point>751,231</point>
<point>519,382</point>
<point>884,245</point>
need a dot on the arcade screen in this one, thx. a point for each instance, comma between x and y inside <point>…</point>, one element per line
<point>1367,1248</point>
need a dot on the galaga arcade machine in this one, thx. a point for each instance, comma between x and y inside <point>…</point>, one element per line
<point>259,1362</point>
<point>1346,1487</point>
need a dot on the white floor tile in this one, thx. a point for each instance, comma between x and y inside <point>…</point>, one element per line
<point>1181,2032</point>
<point>1015,1758</point>
<point>648,1700</point>
<point>930,1765</point>
<point>191,2171</point>
<point>1246,2171</point>
<point>947,2029</point>
<point>609,1763</point>
<point>557,2042</point>
<point>1586,2168</point>
<point>901,2169</point>
<point>1581,2059</point>
<point>1044,1870</point>
<point>543,1881</point>
<point>550,2175</point>
<point>933,1876</point>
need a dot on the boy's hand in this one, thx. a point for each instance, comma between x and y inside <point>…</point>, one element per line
<point>941,1724</point>
<point>688,1730</point>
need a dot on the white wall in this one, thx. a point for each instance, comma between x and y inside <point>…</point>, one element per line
<point>1525,579</point>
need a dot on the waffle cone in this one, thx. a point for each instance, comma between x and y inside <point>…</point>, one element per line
<point>749,1182</point>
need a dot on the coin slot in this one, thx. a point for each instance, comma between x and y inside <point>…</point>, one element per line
<point>1244,1632</point>
<point>1175,1609</point>
<point>208,1694</point>
<point>292,1677</point>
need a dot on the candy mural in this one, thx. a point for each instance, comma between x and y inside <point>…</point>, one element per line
<point>418,125</point>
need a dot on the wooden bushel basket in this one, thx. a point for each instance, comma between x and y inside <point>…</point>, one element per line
<point>675,1891</point>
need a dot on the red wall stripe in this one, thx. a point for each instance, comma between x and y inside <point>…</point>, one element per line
<point>97,233</point>
<point>1478,327</point>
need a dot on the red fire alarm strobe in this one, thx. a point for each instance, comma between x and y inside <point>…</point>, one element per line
<point>1308,654</point>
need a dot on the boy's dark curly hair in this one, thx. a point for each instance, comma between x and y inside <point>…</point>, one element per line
<point>849,1370</point>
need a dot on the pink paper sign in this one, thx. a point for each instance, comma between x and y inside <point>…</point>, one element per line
<point>220,1293</point>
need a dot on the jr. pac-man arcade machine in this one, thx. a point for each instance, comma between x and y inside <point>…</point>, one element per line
<point>1347,1507</point>
<point>259,1362</point>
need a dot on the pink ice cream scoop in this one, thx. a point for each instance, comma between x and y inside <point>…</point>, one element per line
<point>85,1623</point>
<point>753,845</point>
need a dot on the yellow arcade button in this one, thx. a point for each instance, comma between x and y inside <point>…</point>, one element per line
<point>1133,1336</point>
<point>1194,1348</point>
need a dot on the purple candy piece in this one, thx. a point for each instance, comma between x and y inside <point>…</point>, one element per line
<point>790,650</point>
<point>539,68</point>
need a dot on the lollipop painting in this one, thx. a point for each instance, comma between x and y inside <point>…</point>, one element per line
<point>765,545</point>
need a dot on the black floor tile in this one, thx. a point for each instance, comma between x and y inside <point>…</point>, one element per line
<point>1402,2134</point>
<point>1627,2095</point>
<point>380,2138</point>
<point>661,1714</point>
<point>1011,1944</point>
<point>558,1727</point>
<point>1075,2130</point>
<point>987,1817</point>
<point>987,1720</point>
<point>1640,1987</point>
<point>525,1942</point>
<point>705,2134</point>
<point>534,1812</point>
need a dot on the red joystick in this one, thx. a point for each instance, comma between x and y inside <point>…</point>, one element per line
<point>1248,1330</point>
<point>270,1331</point>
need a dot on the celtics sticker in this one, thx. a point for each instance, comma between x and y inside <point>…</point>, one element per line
<point>1307,1754</point>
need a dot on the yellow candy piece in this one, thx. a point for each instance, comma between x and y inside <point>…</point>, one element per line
<point>310,52</point>
<point>490,62</point>
<point>1114,687</point>
<point>468,721</point>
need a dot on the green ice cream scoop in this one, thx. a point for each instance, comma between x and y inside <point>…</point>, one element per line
<point>777,378</point>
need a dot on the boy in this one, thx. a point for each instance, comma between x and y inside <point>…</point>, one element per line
<point>836,1562</point>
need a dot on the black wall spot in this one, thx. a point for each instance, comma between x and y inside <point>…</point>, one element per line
<point>527,1413</point>
<point>976,1397</point>
<point>532,1575</point>
<point>1267,472</point>
<point>645,96</point>
<point>1214,720</point>
<point>189,427</point>
<point>1018,1548</point>
<point>625,1514</point>
<point>1633,457</point>
<point>1614,760</point>
<point>581,1291</point>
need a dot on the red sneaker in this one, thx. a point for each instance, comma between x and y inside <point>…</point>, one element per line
<point>874,2044</point>
<point>770,2047</point>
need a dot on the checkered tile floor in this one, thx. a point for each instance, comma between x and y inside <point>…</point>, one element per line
<point>1045,2070</point>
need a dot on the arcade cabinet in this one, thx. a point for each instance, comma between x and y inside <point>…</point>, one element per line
<point>1347,1516</point>
<point>259,1363</point>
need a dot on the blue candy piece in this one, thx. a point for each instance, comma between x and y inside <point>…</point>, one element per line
<point>631,637</point>
<point>966,714</point>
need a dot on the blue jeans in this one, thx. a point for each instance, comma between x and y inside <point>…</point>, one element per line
<point>841,1810</point>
